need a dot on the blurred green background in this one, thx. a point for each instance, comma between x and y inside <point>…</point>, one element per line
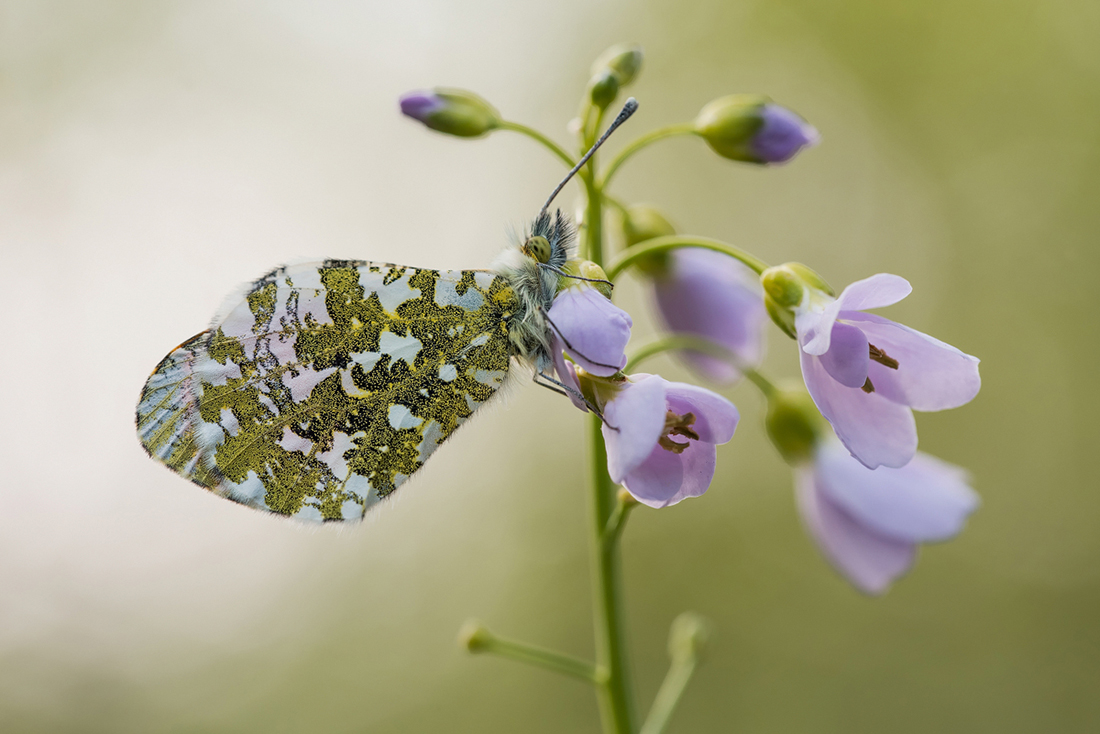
<point>154,155</point>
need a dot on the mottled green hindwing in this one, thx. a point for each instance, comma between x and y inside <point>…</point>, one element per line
<point>329,384</point>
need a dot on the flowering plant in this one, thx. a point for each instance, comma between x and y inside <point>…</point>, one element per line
<point>866,496</point>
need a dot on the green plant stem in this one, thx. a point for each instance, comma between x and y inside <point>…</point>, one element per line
<point>684,128</point>
<point>539,138</point>
<point>593,220</point>
<point>672,242</point>
<point>679,673</point>
<point>766,386</point>
<point>615,524</point>
<point>616,698</point>
<point>540,657</point>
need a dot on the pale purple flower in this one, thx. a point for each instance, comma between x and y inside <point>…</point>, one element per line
<point>661,438</point>
<point>710,295</point>
<point>868,523</point>
<point>867,374</point>
<point>592,329</point>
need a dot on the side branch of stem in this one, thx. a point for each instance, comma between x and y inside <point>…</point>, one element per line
<point>672,688</point>
<point>540,139</point>
<point>684,128</point>
<point>677,342</point>
<point>478,640</point>
<point>673,242</point>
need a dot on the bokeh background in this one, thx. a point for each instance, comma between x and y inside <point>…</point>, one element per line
<point>154,155</point>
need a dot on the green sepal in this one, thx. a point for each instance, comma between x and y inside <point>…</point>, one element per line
<point>464,114</point>
<point>728,124</point>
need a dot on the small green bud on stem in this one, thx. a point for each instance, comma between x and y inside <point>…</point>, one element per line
<point>688,636</point>
<point>474,636</point>
<point>603,88</point>
<point>641,223</point>
<point>624,60</point>
<point>793,424</point>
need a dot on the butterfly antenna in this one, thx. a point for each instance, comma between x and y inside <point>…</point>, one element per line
<point>628,109</point>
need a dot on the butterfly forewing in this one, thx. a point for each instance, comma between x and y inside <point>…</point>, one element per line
<point>328,384</point>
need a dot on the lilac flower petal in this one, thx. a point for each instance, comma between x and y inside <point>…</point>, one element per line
<point>781,135</point>
<point>567,375</point>
<point>925,500</point>
<point>658,479</point>
<point>877,431</point>
<point>847,359</point>
<point>420,104</point>
<point>595,330</point>
<point>638,412</point>
<point>868,560</point>
<point>698,463</point>
<point>713,296</point>
<point>814,326</point>
<point>931,375</point>
<point>874,292</point>
<point>715,417</point>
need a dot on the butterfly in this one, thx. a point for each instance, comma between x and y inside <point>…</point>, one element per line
<point>324,386</point>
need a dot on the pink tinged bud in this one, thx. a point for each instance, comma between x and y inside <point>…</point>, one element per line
<point>901,369</point>
<point>661,438</point>
<point>451,111</point>
<point>868,523</point>
<point>592,329</point>
<point>753,129</point>
<point>712,296</point>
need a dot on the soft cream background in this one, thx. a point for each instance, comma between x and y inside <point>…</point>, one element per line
<point>154,155</point>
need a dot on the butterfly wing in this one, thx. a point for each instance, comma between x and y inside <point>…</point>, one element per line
<point>328,384</point>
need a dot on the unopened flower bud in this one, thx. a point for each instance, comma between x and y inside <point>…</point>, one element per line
<point>624,60</point>
<point>594,277</point>
<point>474,636</point>
<point>782,286</point>
<point>603,88</point>
<point>753,129</point>
<point>793,424</point>
<point>688,636</point>
<point>451,111</point>
<point>641,223</point>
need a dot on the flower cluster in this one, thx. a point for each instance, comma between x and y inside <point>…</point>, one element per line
<point>866,496</point>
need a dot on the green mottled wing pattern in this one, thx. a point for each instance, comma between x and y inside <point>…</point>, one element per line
<point>328,384</point>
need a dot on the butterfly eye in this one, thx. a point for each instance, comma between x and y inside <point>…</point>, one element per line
<point>538,247</point>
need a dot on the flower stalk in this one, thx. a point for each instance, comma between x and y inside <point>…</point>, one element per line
<point>642,251</point>
<point>477,639</point>
<point>616,695</point>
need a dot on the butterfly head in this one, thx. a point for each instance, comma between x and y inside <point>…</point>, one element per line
<point>550,240</point>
